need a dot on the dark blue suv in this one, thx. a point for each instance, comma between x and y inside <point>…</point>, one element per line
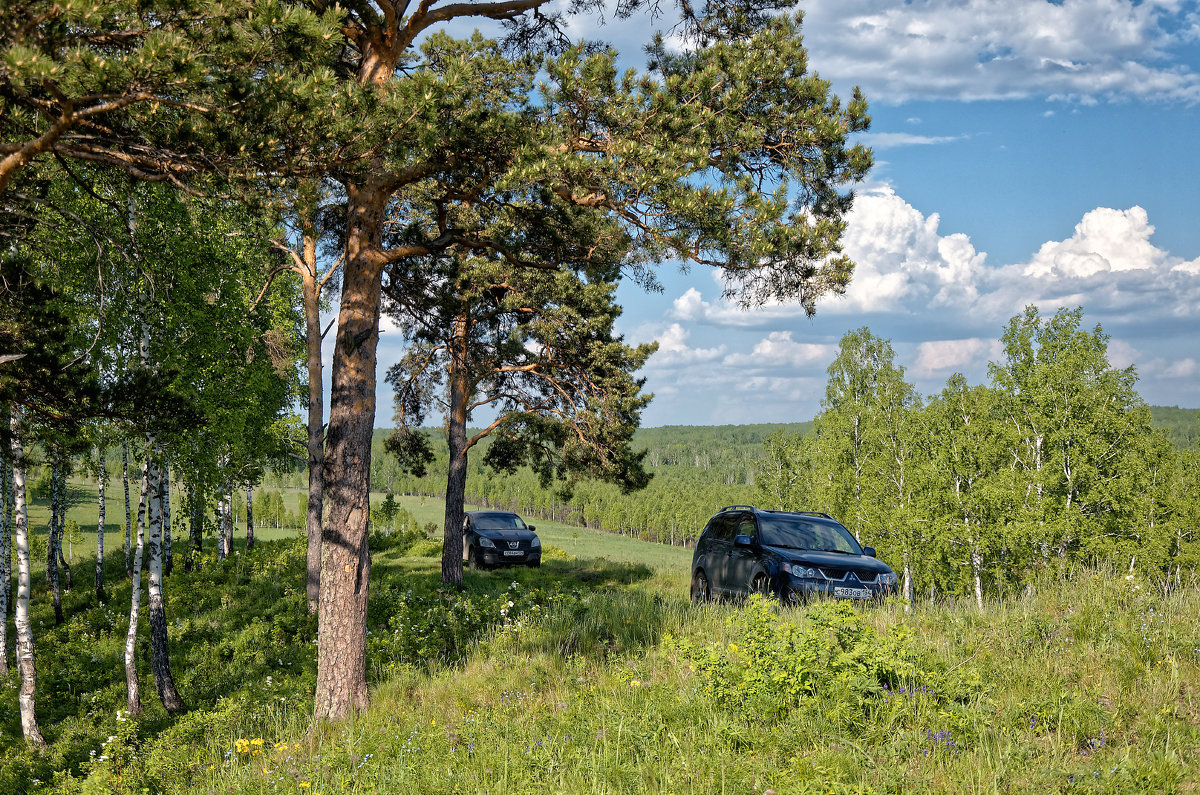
<point>791,555</point>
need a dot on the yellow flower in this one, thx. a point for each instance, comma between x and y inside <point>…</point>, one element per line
<point>305,784</point>
<point>257,741</point>
<point>635,683</point>
<point>281,746</point>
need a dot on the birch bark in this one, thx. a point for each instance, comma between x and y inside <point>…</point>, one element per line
<point>25,661</point>
<point>159,658</point>
<point>5,560</point>
<point>133,697</point>
<point>101,480</point>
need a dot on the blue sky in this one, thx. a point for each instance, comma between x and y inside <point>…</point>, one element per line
<point>1027,152</point>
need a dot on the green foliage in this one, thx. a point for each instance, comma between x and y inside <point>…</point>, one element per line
<point>771,664</point>
<point>978,489</point>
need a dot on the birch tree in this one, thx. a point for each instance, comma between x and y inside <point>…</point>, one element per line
<point>25,658</point>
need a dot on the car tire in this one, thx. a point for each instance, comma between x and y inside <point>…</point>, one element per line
<point>761,584</point>
<point>474,561</point>
<point>700,590</point>
<point>537,564</point>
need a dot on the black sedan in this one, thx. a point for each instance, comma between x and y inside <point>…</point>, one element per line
<point>792,555</point>
<point>499,538</point>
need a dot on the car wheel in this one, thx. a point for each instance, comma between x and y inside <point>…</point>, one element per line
<point>474,560</point>
<point>700,593</point>
<point>761,584</point>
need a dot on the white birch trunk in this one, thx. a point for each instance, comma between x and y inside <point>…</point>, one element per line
<point>228,518</point>
<point>5,560</point>
<point>25,662</point>
<point>159,660</point>
<point>908,584</point>
<point>977,570</point>
<point>101,480</point>
<point>134,697</point>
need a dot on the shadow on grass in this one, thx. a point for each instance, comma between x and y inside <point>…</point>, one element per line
<point>572,607</point>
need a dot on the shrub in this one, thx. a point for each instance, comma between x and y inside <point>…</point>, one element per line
<point>772,664</point>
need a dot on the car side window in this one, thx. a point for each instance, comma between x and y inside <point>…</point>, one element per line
<point>719,529</point>
<point>746,527</point>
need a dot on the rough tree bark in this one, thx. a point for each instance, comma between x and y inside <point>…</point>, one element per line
<point>341,689</point>
<point>25,661</point>
<point>456,438</point>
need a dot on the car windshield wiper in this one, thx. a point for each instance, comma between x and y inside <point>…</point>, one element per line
<point>838,551</point>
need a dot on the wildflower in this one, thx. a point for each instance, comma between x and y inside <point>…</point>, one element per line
<point>281,746</point>
<point>305,784</point>
<point>635,683</point>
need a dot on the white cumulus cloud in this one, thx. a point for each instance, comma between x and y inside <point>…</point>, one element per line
<point>1083,50</point>
<point>942,357</point>
<point>780,350</point>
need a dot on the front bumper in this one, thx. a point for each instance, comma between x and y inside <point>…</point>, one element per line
<point>802,590</point>
<point>520,557</point>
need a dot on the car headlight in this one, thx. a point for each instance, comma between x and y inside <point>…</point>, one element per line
<point>806,572</point>
<point>486,542</point>
<point>536,543</point>
<point>887,579</point>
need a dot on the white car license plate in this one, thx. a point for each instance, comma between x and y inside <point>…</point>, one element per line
<point>513,553</point>
<point>852,593</point>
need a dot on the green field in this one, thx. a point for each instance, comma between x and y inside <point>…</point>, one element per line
<point>595,674</point>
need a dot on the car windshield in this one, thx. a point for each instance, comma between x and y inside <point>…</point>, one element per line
<point>499,521</point>
<point>795,532</point>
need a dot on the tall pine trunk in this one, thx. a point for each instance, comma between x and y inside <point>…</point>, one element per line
<point>341,688</point>
<point>128,511</point>
<point>133,693</point>
<point>101,481</point>
<point>456,439</point>
<point>159,659</point>
<point>249,516</point>
<point>316,428</point>
<point>25,661</point>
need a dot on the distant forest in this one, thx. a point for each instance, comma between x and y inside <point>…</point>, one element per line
<point>697,469</point>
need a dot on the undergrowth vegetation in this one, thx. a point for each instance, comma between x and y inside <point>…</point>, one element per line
<point>592,675</point>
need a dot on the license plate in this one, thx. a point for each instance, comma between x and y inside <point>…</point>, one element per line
<point>852,593</point>
<point>513,553</point>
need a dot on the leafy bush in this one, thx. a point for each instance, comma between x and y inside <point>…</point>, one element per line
<point>772,664</point>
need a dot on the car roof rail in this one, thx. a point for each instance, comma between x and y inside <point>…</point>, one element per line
<point>736,508</point>
<point>815,513</point>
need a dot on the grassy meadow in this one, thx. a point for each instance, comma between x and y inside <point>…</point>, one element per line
<point>595,674</point>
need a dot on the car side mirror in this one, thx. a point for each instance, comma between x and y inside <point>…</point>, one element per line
<point>741,541</point>
<point>531,527</point>
<point>869,551</point>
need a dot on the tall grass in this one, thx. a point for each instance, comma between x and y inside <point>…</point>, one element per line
<point>595,674</point>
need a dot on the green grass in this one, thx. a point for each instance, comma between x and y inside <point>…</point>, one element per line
<point>595,674</point>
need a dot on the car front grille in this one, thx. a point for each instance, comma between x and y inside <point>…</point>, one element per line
<point>842,575</point>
